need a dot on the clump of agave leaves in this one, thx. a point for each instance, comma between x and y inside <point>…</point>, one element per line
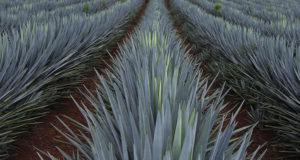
<point>153,105</point>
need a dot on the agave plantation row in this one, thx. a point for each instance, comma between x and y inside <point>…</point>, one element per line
<point>269,10</point>
<point>39,61</point>
<point>262,69</point>
<point>153,102</point>
<point>44,11</point>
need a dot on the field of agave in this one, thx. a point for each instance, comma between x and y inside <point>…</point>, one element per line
<point>150,79</point>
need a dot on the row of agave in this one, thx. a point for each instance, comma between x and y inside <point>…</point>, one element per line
<point>289,8</point>
<point>37,6</point>
<point>154,104</point>
<point>41,61</point>
<point>5,4</point>
<point>281,28</point>
<point>264,70</point>
<point>270,10</point>
<point>260,12</point>
<point>18,17</point>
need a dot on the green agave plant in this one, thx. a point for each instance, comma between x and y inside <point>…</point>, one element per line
<point>154,105</point>
<point>86,8</point>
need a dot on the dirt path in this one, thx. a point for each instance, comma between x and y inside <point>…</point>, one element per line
<point>43,135</point>
<point>259,136</point>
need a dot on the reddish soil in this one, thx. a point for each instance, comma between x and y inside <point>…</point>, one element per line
<point>43,135</point>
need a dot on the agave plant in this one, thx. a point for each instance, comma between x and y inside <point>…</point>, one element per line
<point>42,61</point>
<point>147,107</point>
<point>260,68</point>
